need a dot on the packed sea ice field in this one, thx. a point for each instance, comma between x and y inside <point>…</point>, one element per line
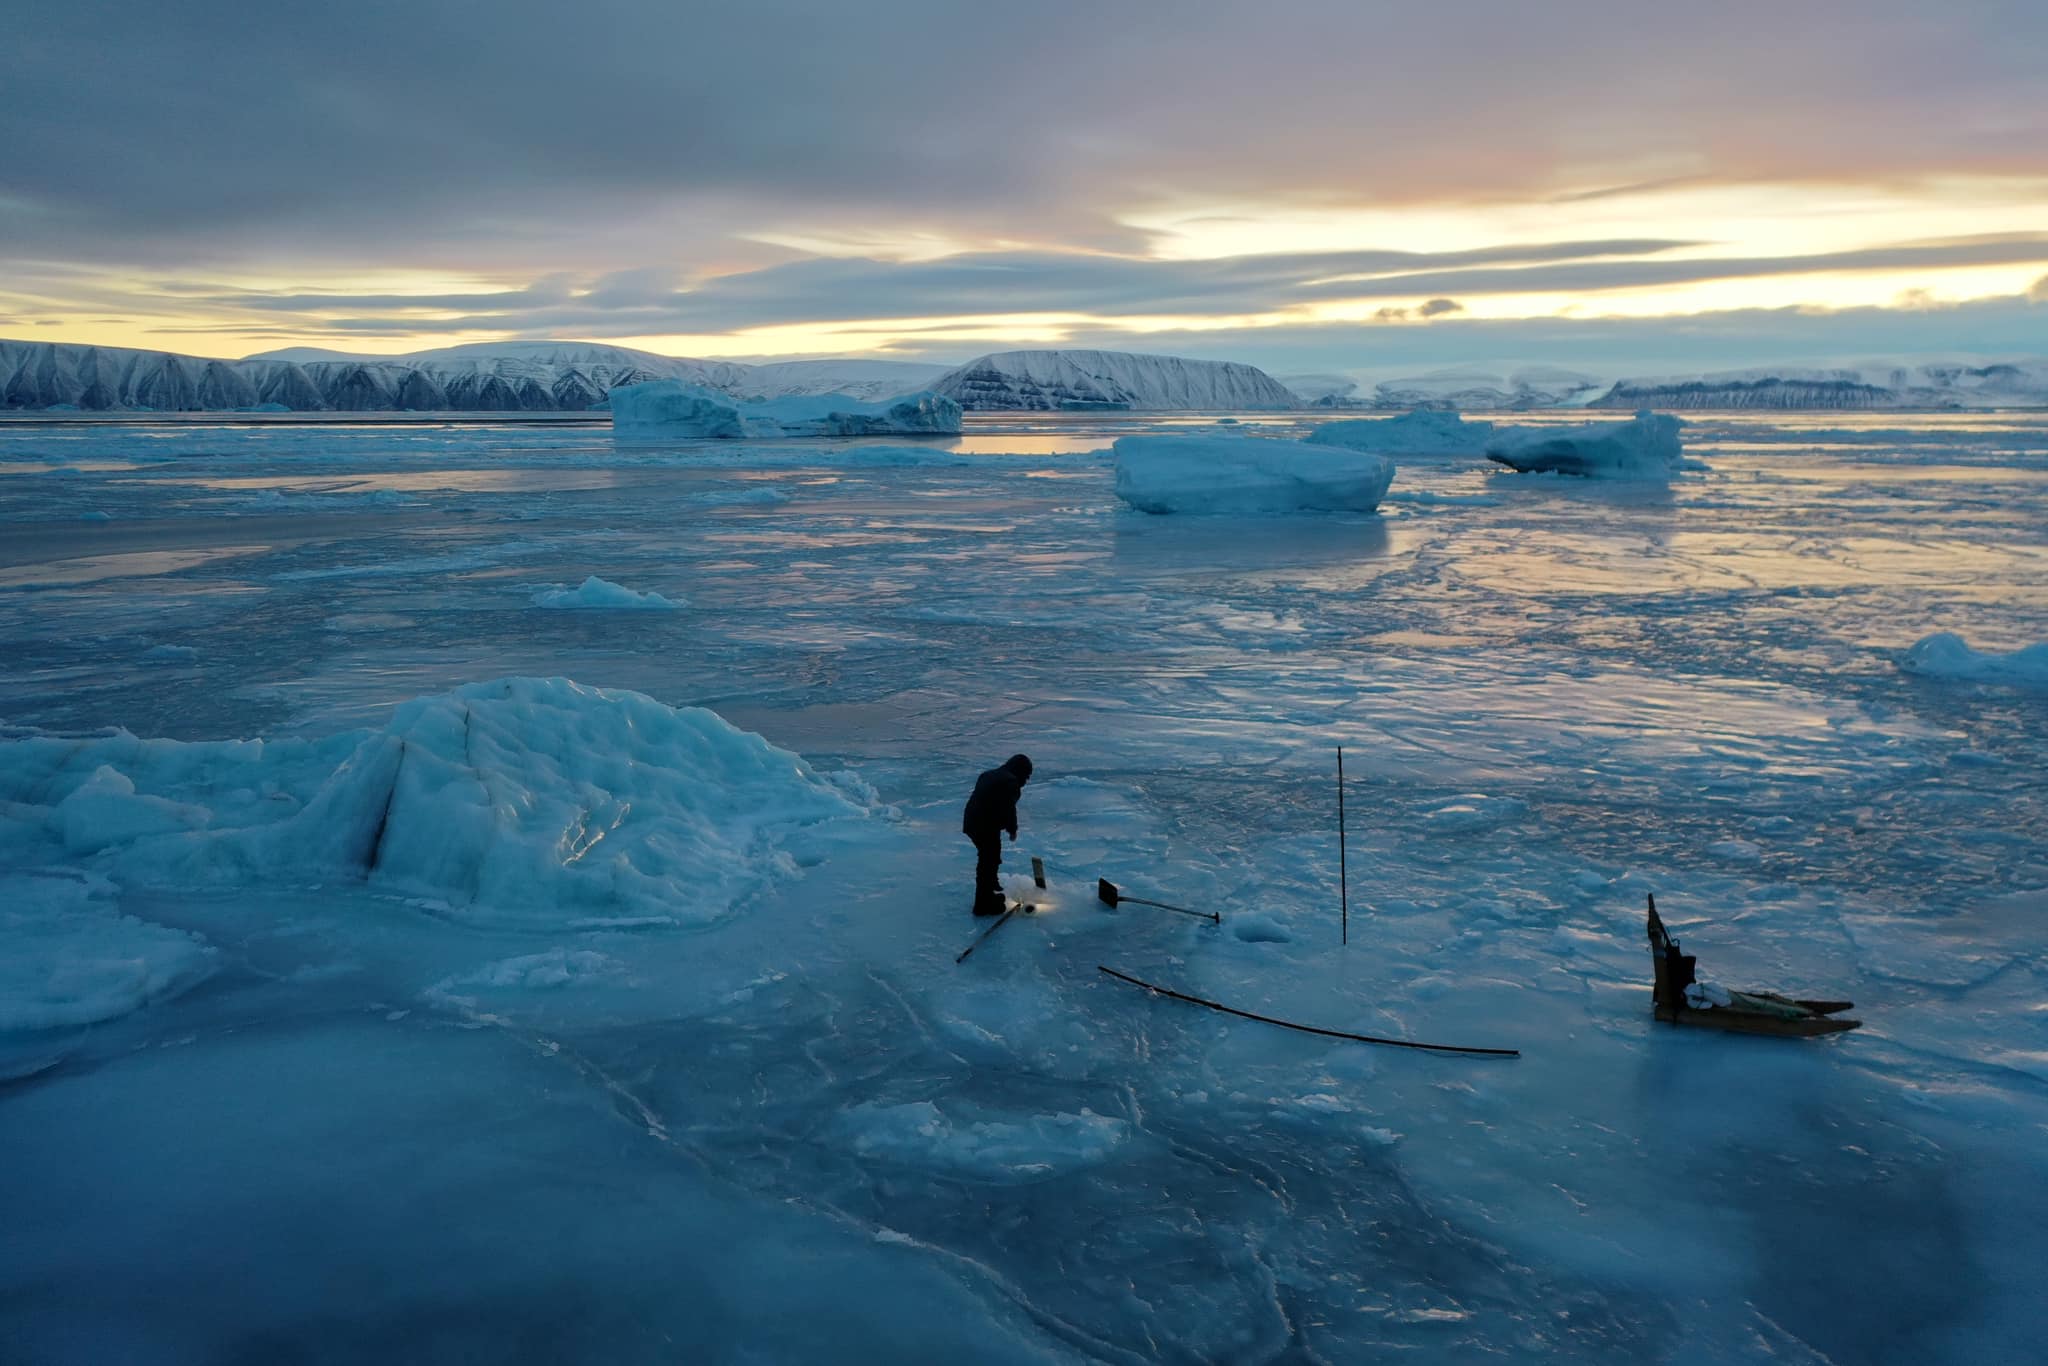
<point>396,965</point>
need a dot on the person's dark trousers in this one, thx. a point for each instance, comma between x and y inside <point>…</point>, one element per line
<point>988,856</point>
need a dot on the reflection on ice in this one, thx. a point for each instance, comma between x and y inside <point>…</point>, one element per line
<point>599,1067</point>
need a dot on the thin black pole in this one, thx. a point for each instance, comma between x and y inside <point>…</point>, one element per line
<point>1309,1029</point>
<point>1343,872</point>
<point>1199,915</point>
<point>983,939</point>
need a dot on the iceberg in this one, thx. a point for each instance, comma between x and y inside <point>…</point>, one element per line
<point>1946,655</point>
<point>602,594</point>
<point>1246,474</point>
<point>1644,447</point>
<point>1422,432</point>
<point>670,409</point>
<point>525,802</point>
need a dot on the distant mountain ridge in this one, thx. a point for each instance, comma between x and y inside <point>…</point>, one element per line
<point>2016,384</point>
<point>1053,381</point>
<point>568,376</point>
<point>483,377</point>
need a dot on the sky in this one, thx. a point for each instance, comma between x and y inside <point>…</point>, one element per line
<point>1307,185</point>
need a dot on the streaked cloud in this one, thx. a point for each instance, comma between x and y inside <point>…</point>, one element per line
<point>803,175</point>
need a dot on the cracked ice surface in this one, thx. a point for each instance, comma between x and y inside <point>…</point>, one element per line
<point>305,1114</point>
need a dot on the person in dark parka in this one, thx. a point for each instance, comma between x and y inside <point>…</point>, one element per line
<point>991,813</point>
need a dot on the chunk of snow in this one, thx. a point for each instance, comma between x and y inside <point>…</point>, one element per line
<point>68,958</point>
<point>967,1142</point>
<point>528,972</point>
<point>1946,655</point>
<point>1422,432</point>
<point>667,409</point>
<point>1260,928</point>
<point>1644,447</point>
<point>1475,811</point>
<point>1246,474</point>
<point>106,809</point>
<point>535,802</point>
<point>594,592</point>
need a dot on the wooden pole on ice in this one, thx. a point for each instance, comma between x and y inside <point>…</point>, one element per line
<point>1343,872</point>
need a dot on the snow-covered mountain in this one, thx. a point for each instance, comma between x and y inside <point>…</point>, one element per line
<point>537,376</point>
<point>1539,386</point>
<point>2017,384</point>
<point>866,379</point>
<point>1046,381</point>
<point>1328,390</point>
<point>563,376</point>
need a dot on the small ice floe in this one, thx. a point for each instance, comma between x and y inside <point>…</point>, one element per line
<point>1945,655</point>
<point>667,409</point>
<point>169,654</point>
<point>602,594</point>
<point>1644,447</point>
<point>1425,431</point>
<point>967,1142</point>
<point>1246,475</point>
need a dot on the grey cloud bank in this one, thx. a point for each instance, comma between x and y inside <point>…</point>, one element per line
<point>647,168</point>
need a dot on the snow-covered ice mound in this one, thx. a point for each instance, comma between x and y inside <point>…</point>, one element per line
<point>537,802</point>
<point>68,958</point>
<point>598,593</point>
<point>969,1143</point>
<point>1246,474</point>
<point>1422,432</point>
<point>1644,447</point>
<point>1947,655</point>
<point>666,409</point>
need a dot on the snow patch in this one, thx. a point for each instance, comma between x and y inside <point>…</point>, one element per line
<point>69,958</point>
<point>968,1142</point>
<point>529,972</point>
<point>1474,811</point>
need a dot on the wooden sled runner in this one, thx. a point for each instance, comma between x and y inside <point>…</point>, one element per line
<point>1746,1012</point>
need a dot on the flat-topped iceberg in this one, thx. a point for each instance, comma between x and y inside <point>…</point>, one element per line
<point>667,409</point>
<point>1644,447</point>
<point>1246,474</point>
<point>1422,432</point>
